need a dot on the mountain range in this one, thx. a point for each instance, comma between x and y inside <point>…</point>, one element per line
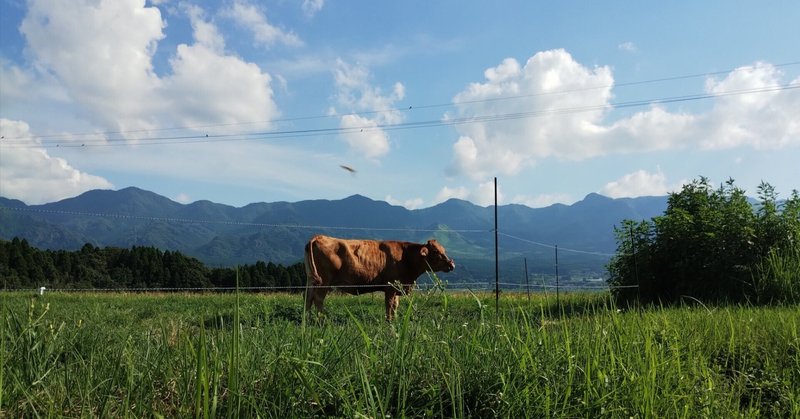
<point>222,235</point>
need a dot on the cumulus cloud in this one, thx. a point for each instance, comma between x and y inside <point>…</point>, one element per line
<point>765,120</point>
<point>481,194</point>
<point>208,85</point>
<point>96,57</point>
<point>355,93</point>
<point>448,193</point>
<point>640,183</point>
<point>311,7</point>
<point>101,53</point>
<point>363,136</point>
<point>183,198</point>
<point>542,200</point>
<point>30,174</point>
<point>507,146</point>
<point>411,204</point>
<point>254,19</point>
<point>627,47</point>
<point>554,107</point>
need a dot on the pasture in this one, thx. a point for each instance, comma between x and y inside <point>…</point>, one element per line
<point>446,355</point>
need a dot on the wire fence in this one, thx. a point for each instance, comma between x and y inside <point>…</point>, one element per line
<point>460,286</point>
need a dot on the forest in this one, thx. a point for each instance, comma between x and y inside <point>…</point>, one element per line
<point>92,267</point>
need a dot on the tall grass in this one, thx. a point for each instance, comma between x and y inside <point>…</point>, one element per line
<point>777,276</point>
<point>70,355</point>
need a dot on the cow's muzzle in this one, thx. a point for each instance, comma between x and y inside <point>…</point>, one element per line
<point>451,265</point>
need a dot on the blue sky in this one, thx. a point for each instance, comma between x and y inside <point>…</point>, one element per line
<point>241,101</point>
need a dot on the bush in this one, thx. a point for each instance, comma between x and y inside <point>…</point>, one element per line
<point>710,244</point>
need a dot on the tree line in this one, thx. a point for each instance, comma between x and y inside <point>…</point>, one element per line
<point>92,267</point>
<point>712,244</point>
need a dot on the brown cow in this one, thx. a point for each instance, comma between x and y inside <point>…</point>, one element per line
<point>360,266</point>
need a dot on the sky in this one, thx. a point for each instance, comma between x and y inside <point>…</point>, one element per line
<point>413,102</point>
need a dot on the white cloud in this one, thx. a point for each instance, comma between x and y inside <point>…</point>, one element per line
<point>254,19</point>
<point>411,204</point>
<point>564,106</point>
<point>101,53</point>
<point>311,7</point>
<point>481,194</point>
<point>201,89</point>
<point>30,174</point>
<point>205,33</point>
<point>448,193</point>
<point>542,200</point>
<point>488,148</point>
<point>640,183</point>
<point>364,137</point>
<point>627,47</point>
<point>183,198</point>
<point>355,93</point>
<point>766,120</point>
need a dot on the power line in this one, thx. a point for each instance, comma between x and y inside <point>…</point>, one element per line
<point>269,135</point>
<point>407,108</point>
<point>551,246</point>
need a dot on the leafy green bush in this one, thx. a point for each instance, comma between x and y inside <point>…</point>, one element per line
<point>710,244</point>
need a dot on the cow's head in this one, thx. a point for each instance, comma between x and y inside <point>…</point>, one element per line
<point>435,256</point>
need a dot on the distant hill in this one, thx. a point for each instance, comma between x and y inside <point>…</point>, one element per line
<point>222,235</point>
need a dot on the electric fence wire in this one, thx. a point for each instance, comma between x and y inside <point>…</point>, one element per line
<point>53,141</point>
<point>461,286</point>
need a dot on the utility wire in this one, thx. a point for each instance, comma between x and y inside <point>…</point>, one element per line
<point>550,246</point>
<point>404,109</point>
<point>268,135</point>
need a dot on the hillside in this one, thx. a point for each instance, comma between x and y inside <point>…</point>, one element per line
<point>222,235</point>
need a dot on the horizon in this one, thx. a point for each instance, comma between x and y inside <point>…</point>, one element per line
<point>238,101</point>
<point>356,195</point>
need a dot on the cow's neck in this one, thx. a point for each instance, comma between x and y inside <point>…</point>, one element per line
<point>418,265</point>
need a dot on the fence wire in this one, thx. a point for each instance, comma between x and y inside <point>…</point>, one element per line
<point>462,286</point>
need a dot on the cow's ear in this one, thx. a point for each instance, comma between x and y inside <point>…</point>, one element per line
<point>423,251</point>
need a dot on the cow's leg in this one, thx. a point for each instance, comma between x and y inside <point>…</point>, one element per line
<point>392,301</point>
<point>309,296</point>
<point>315,295</point>
<point>319,299</point>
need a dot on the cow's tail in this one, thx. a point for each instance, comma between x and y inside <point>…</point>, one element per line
<point>312,276</point>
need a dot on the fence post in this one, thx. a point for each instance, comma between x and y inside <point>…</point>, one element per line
<point>635,268</point>
<point>496,258</point>
<point>527,282</point>
<point>558,300</point>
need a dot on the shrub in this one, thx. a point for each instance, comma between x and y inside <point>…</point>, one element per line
<point>710,244</point>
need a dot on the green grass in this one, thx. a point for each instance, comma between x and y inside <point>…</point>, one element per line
<point>223,355</point>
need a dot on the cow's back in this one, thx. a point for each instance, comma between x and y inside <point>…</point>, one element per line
<point>354,262</point>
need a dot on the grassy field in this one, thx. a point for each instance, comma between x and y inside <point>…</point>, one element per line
<point>447,355</point>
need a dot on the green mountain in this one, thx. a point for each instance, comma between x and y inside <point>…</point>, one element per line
<point>222,235</point>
